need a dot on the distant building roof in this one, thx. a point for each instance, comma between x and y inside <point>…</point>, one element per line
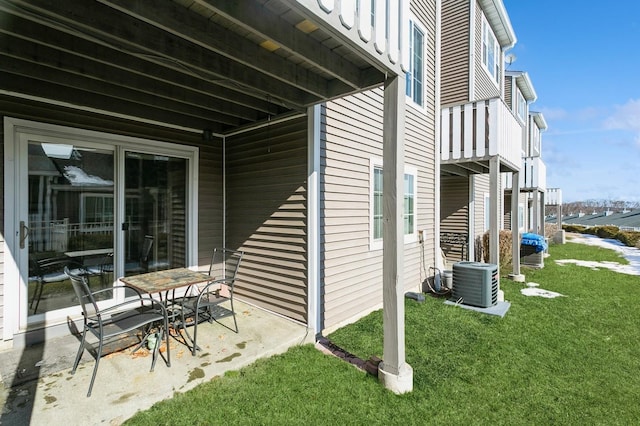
<point>626,219</point>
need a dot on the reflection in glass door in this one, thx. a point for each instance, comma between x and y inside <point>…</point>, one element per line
<point>155,231</point>
<point>70,221</point>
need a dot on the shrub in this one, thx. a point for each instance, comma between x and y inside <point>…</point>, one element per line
<point>504,247</point>
<point>550,229</point>
<point>574,228</point>
<point>629,238</point>
<point>606,231</point>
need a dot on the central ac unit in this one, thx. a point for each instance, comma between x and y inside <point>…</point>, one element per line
<point>475,283</point>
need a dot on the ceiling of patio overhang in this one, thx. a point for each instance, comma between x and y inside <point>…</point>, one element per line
<point>190,64</point>
<point>467,168</point>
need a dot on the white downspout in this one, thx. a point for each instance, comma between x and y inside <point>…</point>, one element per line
<point>438,117</point>
<point>472,50</point>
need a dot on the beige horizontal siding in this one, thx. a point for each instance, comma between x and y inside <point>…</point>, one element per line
<point>352,136</point>
<point>455,52</point>
<point>266,173</point>
<point>485,86</point>
<point>454,213</point>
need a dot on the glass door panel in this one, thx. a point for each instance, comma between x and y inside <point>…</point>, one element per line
<point>155,228</point>
<point>70,221</point>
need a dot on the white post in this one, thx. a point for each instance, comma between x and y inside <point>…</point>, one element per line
<point>313,218</point>
<point>494,209</point>
<point>515,228</point>
<point>393,371</point>
<point>536,213</point>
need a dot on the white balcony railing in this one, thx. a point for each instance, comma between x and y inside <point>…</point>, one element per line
<point>533,175</point>
<point>553,197</point>
<point>478,130</point>
<point>385,37</point>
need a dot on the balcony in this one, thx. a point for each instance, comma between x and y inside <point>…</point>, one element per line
<point>473,133</point>
<point>533,175</point>
<point>352,22</point>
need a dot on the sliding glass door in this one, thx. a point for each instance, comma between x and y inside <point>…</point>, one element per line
<point>69,220</point>
<point>155,215</point>
<point>105,208</point>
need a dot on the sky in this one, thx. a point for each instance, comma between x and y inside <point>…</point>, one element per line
<point>583,59</point>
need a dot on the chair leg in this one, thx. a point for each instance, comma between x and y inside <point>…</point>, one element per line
<point>156,349</point>
<point>233,313</point>
<point>35,293</point>
<point>166,339</point>
<point>195,333</point>
<point>80,351</point>
<point>95,367</point>
<point>39,295</point>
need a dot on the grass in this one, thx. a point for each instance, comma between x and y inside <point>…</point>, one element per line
<point>569,360</point>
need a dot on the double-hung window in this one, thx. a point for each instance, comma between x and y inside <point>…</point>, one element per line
<point>490,51</point>
<point>415,75</point>
<point>521,105</point>
<point>409,205</point>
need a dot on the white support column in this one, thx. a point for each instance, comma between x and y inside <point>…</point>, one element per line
<point>393,371</point>
<point>536,213</point>
<point>494,211</point>
<point>515,228</point>
<point>471,225</point>
<point>543,213</point>
<point>314,318</point>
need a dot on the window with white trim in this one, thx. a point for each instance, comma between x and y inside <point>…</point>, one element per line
<point>410,203</point>
<point>490,51</point>
<point>487,212</point>
<point>521,217</point>
<point>415,75</point>
<point>521,105</point>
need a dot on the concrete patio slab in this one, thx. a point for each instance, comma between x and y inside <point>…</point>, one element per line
<point>38,388</point>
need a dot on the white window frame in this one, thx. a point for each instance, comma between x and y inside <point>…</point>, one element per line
<point>487,212</point>
<point>521,106</point>
<point>521,223</point>
<point>16,131</point>
<point>488,39</point>
<point>376,243</point>
<point>410,92</point>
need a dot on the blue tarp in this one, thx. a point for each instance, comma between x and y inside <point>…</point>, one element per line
<point>535,240</point>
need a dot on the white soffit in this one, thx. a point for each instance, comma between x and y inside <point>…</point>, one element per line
<point>498,18</point>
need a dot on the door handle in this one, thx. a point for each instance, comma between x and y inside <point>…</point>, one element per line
<point>24,233</point>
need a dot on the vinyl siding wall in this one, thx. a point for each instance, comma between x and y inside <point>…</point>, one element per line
<point>480,188</point>
<point>266,172</point>
<point>508,92</point>
<point>351,137</point>
<point>454,213</point>
<point>485,86</point>
<point>455,52</point>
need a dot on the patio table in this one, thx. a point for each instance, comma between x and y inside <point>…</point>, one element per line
<point>166,281</point>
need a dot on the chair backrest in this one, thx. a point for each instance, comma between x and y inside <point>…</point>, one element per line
<point>51,269</point>
<point>225,264</point>
<point>83,293</point>
<point>146,248</point>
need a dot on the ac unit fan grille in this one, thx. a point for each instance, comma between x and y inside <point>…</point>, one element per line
<point>475,283</point>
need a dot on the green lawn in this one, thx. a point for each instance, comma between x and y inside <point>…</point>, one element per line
<point>569,360</point>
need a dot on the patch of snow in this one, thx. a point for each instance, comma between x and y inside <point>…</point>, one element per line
<point>632,254</point>
<point>596,266</point>
<point>533,285</point>
<point>78,177</point>
<point>539,292</point>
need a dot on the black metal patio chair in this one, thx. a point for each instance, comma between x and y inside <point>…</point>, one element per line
<point>139,313</point>
<point>47,271</point>
<point>205,305</point>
